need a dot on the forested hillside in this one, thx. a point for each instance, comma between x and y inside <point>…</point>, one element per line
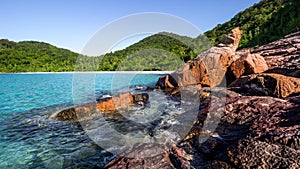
<point>264,22</point>
<point>31,56</point>
<point>159,50</point>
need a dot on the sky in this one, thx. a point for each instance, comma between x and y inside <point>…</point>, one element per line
<point>71,23</point>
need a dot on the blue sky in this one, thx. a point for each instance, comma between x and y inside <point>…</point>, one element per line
<point>71,23</point>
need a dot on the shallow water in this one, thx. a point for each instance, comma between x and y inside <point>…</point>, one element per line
<point>30,139</point>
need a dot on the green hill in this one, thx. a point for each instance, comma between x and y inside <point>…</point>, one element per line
<point>31,56</point>
<point>264,22</point>
<point>159,51</point>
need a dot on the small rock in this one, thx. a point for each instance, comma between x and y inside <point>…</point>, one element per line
<point>166,82</point>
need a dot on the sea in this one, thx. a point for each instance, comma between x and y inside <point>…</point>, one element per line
<point>30,138</point>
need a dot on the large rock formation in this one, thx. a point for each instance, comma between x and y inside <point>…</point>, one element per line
<point>208,68</point>
<point>253,132</point>
<point>275,85</point>
<point>257,131</point>
<point>258,126</point>
<point>281,54</point>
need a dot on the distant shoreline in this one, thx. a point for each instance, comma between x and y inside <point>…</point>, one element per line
<point>96,72</point>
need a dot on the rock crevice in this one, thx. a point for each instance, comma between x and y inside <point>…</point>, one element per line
<point>259,127</point>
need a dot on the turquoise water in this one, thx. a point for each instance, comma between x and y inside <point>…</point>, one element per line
<point>30,139</point>
<point>21,92</point>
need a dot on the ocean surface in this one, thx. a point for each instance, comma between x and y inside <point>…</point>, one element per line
<point>29,138</point>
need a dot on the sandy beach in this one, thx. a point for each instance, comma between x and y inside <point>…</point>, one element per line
<point>97,72</point>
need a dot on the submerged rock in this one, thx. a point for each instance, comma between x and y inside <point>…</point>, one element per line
<point>75,113</point>
<point>141,99</point>
<point>122,100</point>
<point>106,106</point>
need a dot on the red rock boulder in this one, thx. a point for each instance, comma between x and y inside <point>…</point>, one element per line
<point>248,64</point>
<point>268,84</point>
<point>120,101</point>
<point>208,69</point>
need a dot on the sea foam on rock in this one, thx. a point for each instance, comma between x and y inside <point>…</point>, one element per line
<point>254,131</point>
<point>258,126</point>
<point>257,131</point>
<point>105,106</point>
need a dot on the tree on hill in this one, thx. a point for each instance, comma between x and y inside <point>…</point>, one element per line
<point>170,46</point>
<point>31,56</point>
<point>264,22</point>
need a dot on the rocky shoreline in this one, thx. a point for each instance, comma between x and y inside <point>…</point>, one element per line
<point>258,125</point>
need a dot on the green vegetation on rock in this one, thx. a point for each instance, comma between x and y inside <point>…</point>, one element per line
<point>264,22</point>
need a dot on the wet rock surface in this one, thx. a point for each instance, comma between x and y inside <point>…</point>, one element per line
<point>120,101</point>
<point>257,127</point>
<point>75,113</point>
<point>106,106</point>
<point>128,159</point>
<point>254,131</point>
<point>254,123</point>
